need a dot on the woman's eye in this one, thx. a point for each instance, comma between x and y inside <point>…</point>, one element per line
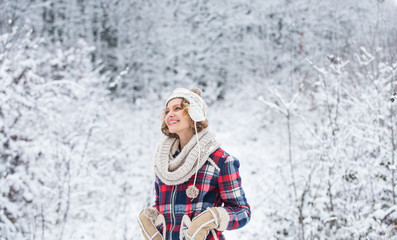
<point>178,108</point>
<point>166,112</point>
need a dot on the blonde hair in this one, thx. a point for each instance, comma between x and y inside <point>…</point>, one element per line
<point>185,108</point>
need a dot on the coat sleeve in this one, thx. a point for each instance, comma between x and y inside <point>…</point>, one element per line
<point>233,195</point>
<point>156,193</point>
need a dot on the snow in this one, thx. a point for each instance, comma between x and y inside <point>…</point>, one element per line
<point>80,114</point>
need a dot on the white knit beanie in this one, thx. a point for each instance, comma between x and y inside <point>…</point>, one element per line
<point>197,107</point>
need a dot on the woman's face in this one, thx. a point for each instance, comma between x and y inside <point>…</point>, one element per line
<point>177,121</point>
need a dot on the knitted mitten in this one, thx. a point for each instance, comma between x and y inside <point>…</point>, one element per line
<point>148,219</point>
<point>212,218</point>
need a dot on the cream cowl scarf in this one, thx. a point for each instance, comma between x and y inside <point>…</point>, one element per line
<point>174,171</point>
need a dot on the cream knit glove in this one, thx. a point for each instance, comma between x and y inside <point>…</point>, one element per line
<point>148,219</point>
<point>212,218</point>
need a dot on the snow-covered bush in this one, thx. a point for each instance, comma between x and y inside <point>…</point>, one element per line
<point>341,182</point>
<point>54,126</point>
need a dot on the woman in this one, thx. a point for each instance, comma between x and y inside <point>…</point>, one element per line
<point>198,186</point>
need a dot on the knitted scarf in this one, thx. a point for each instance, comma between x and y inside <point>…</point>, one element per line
<point>174,171</point>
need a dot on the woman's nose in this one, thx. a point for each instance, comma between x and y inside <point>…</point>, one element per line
<point>170,113</point>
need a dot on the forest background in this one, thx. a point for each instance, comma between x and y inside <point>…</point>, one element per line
<point>302,92</point>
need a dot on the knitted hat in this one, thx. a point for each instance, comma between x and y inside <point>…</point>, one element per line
<point>197,112</point>
<point>198,109</point>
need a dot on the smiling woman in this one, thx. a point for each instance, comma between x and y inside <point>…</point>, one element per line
<point>198,187</point>
<point>177,121</point>
<point>176,118</point>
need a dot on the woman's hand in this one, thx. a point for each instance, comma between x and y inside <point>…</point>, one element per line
<point>148,223</point>
<point>212,218</point>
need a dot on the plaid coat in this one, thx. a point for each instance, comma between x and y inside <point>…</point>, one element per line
<point>217,188</point>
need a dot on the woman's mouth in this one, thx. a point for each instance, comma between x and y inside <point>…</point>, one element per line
<point>173,122</point>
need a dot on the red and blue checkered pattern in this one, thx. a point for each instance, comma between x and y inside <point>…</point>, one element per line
<point>217,188</point>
